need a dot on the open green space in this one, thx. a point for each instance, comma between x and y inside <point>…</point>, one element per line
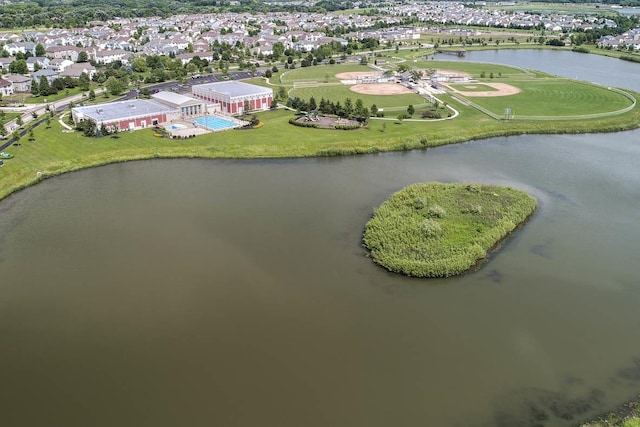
<point>341,92</point>
<point>320,74</point>
<point>555,98</point>
<point>473,87</point>
<point>440,230</point>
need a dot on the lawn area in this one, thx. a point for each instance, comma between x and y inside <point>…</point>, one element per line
<point>474,69</point>
<point>473,87</point>
<point>52,98</point>
<point>320,73</point>
<point>555,98</point>
<point>54,151</point>
<point>340,92</point>
<point>440,230</point>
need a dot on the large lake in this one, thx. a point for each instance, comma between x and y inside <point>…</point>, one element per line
<point>237,293</point>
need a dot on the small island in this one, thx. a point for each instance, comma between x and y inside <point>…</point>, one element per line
<point>441,230</point>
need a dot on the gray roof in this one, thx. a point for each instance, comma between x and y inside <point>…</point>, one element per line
<point>174,98</point>
<point>122,110</point>
<point>233,88</point>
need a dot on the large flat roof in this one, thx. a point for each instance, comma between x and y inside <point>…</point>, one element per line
<point>174,98</point>
<point>233,88</point>
<point>122,110</point>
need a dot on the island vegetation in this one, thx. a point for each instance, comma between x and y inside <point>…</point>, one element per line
<point>440,230</point>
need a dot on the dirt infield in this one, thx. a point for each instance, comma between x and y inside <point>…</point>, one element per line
<point>354,75</point>
<point>380,89</point>
<point>502,89</point>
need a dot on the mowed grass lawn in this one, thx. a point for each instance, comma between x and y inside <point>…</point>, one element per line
<point>320,73</point>
<point>474,69</point>
<point>340,92</point>
<point>553,98</point>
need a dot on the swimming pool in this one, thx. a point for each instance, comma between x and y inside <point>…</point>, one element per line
<point>174,127</point>
<point>215,122</point>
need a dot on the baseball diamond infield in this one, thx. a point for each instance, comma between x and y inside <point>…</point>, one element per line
<point>380,89</point>
<point>496,89</point>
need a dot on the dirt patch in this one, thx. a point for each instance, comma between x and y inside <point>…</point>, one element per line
<point>355,74</point>
<point>502,89</point>
<point>380,89</point>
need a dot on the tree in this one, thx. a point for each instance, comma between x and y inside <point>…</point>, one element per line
<point>374,110</point>
<point>19,121</point>
<point>83,57</point>
<point>84,82</point>
<point>35,88</point>
<point>410,110</point>
<point>116,86</point>
<point>268,74</point>
<point>247,106</point>
<point>45,88</point>
<point>274,104</point>
<point>92,95</point>
<point>19,66</point>
<point>40,50</point>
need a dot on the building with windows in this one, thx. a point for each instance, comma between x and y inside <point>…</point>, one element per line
<point>233,96</point>
<point>126,115</point>
<point>187,105</point>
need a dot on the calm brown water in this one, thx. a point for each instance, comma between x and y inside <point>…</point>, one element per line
<point>236,293</point>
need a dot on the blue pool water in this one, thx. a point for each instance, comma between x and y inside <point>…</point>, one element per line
<point>215,122</point>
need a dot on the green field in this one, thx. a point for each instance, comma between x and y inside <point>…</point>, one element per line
<point>473,87</point>
<point>555,98</point>
<point>440,230</point>
<point>319,73</point>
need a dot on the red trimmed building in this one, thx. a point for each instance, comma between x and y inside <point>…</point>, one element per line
<point>232,95</point>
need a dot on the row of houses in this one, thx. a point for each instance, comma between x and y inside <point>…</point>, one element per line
<point>18,83</point>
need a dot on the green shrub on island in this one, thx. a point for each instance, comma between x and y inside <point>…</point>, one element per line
<point>440,230</point>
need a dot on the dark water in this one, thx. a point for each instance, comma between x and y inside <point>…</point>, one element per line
<point>236,293</point>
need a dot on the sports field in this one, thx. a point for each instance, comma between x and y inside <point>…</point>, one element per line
<point>320,74</point>
<point>549,98</point>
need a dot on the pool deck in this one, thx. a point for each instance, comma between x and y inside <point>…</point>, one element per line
<point>195,129</point>
<point>188,130</point>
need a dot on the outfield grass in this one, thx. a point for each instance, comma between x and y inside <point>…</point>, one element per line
<point>320,73</point>
<point>341,92</point>
<point>473,87</point>
<point>555,98</point>
<point>441,230</point>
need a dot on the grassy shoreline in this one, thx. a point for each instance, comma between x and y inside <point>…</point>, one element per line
<point>441,230</point>
<point>54,152</point>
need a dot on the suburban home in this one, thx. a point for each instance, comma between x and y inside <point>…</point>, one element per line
<point>20,83</point>
<point>6,87</point>
<point>76,70</point>
<point>50,75</point>
<point>5,62</point>
<point>59,65</point>
<point>40,61</point>
<point>109,56</point>
<point>24,47</point>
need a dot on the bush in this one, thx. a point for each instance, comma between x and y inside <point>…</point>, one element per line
<point>431,228</point>
<point>436,211</point>
<point>294,122</point>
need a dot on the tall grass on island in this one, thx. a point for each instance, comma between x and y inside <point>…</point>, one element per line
<point>441,230</point>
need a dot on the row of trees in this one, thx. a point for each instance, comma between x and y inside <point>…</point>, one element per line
<point>348,109</point>
<point>43,87</point>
